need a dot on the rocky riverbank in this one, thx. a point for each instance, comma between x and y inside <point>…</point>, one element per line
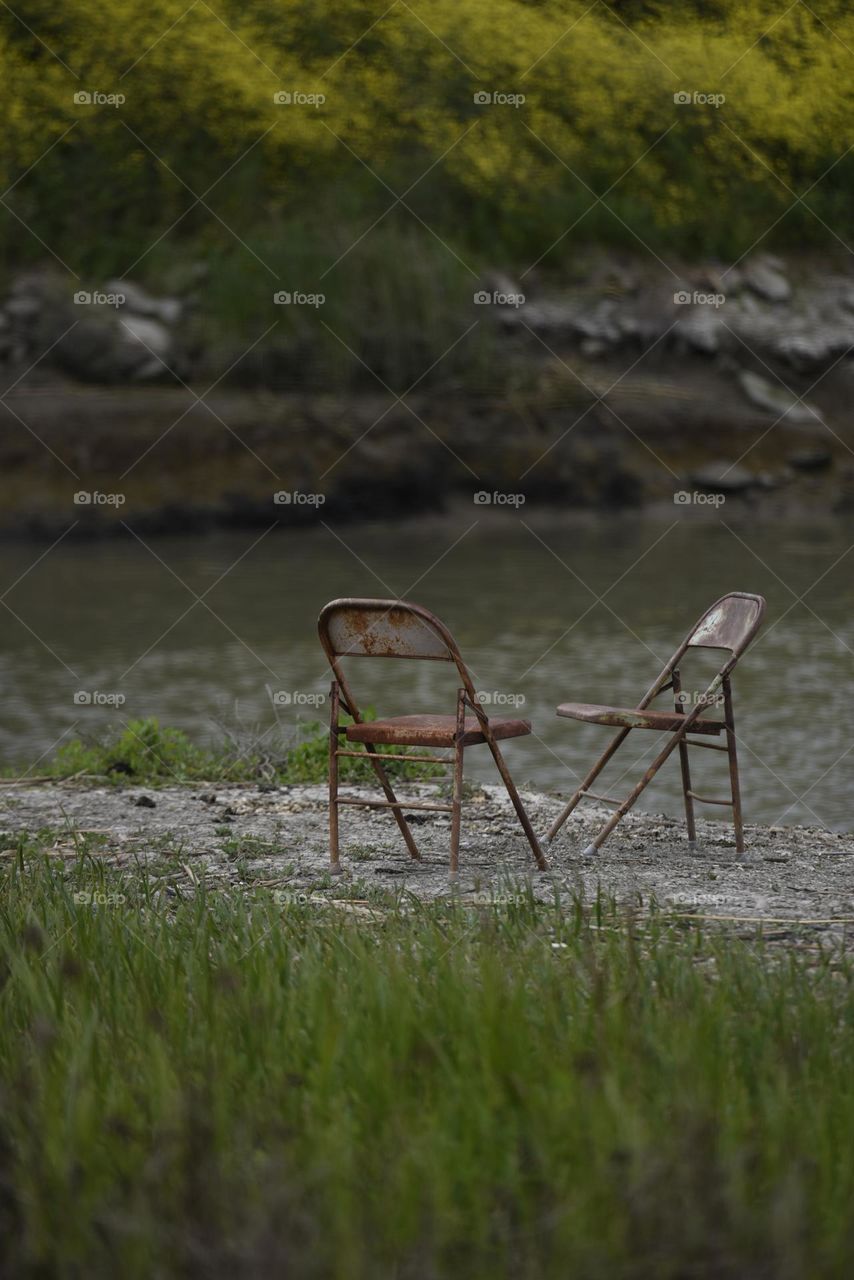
<point>631,386</point>
<point>276,837</point>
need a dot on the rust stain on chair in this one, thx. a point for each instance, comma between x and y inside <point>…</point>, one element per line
<point>367,628</point>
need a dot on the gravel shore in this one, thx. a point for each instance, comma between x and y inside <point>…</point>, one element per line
<point>277,837</point>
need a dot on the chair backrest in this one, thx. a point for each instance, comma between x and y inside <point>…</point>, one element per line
<point>363,628</point>
<point>730,623</point>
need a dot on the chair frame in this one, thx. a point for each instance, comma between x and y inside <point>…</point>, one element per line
<point>341,697</point>
<point>719,689</point>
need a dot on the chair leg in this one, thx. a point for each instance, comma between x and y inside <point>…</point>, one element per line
<point>397,807</point>
<point>517,803</point>
<point>457,813</point>
<point>735,787</point>
<point>334,703</point>
<point>686,788</point>
<point>335,698</point>
<point>686,768</point>
<point>587,783</point>
<point>630,799</point>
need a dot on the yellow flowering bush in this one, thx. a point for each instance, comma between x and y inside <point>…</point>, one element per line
<point>695,123</point>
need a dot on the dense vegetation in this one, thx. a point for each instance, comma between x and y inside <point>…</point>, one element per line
<point>218,1084</point>
<point>599,90</point>
<point>198,178</point>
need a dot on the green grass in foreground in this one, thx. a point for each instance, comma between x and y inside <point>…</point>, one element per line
<point>228,1085</point>
<point>148,754</point>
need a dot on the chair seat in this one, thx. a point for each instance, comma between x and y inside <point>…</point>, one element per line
<point>626,718</point>
<point>432,731</point>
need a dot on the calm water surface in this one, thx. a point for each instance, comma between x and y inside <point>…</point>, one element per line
<point>545,609</point>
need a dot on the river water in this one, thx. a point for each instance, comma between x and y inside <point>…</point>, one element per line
<point>202,631</point>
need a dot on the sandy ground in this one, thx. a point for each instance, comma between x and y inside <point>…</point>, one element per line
<point>245,835</point>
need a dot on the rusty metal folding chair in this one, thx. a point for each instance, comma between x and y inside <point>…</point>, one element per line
<point>731,623</point>
<point>396,629</point>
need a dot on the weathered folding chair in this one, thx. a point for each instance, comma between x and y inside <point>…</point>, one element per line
<point>396,629</point>
<point>731,623</point>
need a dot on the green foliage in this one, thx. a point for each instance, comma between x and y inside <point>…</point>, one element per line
<point>204,1084</point>
<point>147,754</point>
<point>399,83</point>
<point>142,752</point>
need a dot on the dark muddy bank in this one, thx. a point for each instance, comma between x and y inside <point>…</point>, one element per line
<point>628,387</point>
<point>155,458</point>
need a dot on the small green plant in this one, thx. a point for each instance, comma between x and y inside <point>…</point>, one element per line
<point>362,852</point>
<point>247,847</point>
